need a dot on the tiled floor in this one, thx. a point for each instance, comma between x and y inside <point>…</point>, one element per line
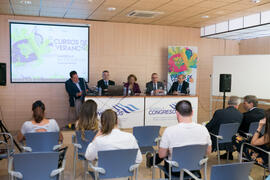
<point>144,173</point>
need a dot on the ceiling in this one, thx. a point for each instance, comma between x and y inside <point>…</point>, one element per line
<point>186,13</point>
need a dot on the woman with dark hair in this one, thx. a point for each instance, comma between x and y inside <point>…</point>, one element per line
<point>262,141</point>
<point>88,117</point>
<point>39,122</point>
<point>132,85</point>
<point>111,138</point>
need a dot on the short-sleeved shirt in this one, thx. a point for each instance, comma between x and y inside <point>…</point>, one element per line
<point>115,140</point>
<point>29,127</point>
<point>184,134</point>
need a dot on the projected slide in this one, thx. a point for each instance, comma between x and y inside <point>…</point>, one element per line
<point>47,53</point>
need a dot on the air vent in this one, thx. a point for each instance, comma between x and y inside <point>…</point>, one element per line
<point>144,14</point>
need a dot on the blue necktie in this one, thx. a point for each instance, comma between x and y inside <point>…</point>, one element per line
<point>179,87</point>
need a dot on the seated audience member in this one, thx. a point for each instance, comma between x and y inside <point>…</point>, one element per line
<point>76,88</point>
<point>224,116</point>
<point>180,86</point>
<point>154,85</point>
<point>110,137</point>
<point>184,133</point>
<point>39,122</point>
<point>262,141</point>
<point>132,85</point>
<point>88,117</point>
<point>253,113</point>
<point>105,82</point>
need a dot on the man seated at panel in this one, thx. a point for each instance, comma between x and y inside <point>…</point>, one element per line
<point>110,137</point>
<point>224,116</point>
<point>180,86</point>
<point>184,133</point>
<point>252,114</point>
<point>105,82</point>
<point>77,89</point>
<point>154,86</point>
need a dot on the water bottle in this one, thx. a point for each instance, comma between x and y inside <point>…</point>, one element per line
<point>125,91</point>
<point>99,91</point>
<point>152,93</point>
<point>165,90</point>
<point>129,92</point>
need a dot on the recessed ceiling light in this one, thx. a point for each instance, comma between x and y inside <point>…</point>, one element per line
<point>205,17</point>
<point>90,0</point>
<point>26,2</point>
<point>111,8</point>
<point>256,1</point>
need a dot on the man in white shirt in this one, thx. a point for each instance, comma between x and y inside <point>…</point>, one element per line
<point>111,138</point>
<point>184,133</point>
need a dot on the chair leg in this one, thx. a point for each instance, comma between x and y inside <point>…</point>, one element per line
<point>154,165</point>
<point>218,152</point>
<point>74,163</point>
<point>227,155</point>
<point>85,169</point>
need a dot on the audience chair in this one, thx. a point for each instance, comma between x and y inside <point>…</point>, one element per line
<point>115,164</point>
<point>253,128</point>
<point>147,137</point>
<point>35,165</point>
<point>190,158</point>
<point>6,145</point>
<point>235,171</point>
<point>80,147</point>
<point>226,132</point>
<point>42,142</point>
<point>241,158</point>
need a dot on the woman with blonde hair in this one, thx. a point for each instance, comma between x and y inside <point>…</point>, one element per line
<point>88,117</point>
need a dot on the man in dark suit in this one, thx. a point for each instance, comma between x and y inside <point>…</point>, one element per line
<point>180,86</point>
<point>224,116</point>
<point>154,85</point>
<point>253,113</point>
<point>76,88</point>
<point>104,83</point>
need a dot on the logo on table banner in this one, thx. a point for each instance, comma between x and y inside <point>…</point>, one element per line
<point>121,109</point>
<point>162,110</point>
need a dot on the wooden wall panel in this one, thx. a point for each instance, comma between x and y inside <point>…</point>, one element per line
<point>255,46</point>
<point>120,48</point>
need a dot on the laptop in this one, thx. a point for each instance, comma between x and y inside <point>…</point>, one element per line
<point>115,91</point>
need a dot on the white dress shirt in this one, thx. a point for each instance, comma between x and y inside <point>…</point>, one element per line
<point>115,140</point>
<point>184,134</point>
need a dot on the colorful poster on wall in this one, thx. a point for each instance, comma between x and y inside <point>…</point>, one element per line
<point>183,60</point>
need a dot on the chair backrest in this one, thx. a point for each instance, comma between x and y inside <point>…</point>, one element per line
<point>227,131</point>
<point>124,158</point>
<point>188,157</point>
<point>89,136</point>
<point>253,128</point>
<point>42,141</point>
<point>36,165</point>
<point>235,171</point>
<point>146,135</point>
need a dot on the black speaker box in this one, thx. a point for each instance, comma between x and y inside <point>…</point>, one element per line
<point>3,77</point>
<point>225,82</point>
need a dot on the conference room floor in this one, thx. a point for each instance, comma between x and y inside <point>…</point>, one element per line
<point>144,173</point>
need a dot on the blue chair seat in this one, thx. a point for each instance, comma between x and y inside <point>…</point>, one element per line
<point>174,177</point>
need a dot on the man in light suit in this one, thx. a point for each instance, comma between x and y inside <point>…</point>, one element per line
<point>105,82</point>
<point>76,88</point>
<point>180,86</point>
<point>154,85</point>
